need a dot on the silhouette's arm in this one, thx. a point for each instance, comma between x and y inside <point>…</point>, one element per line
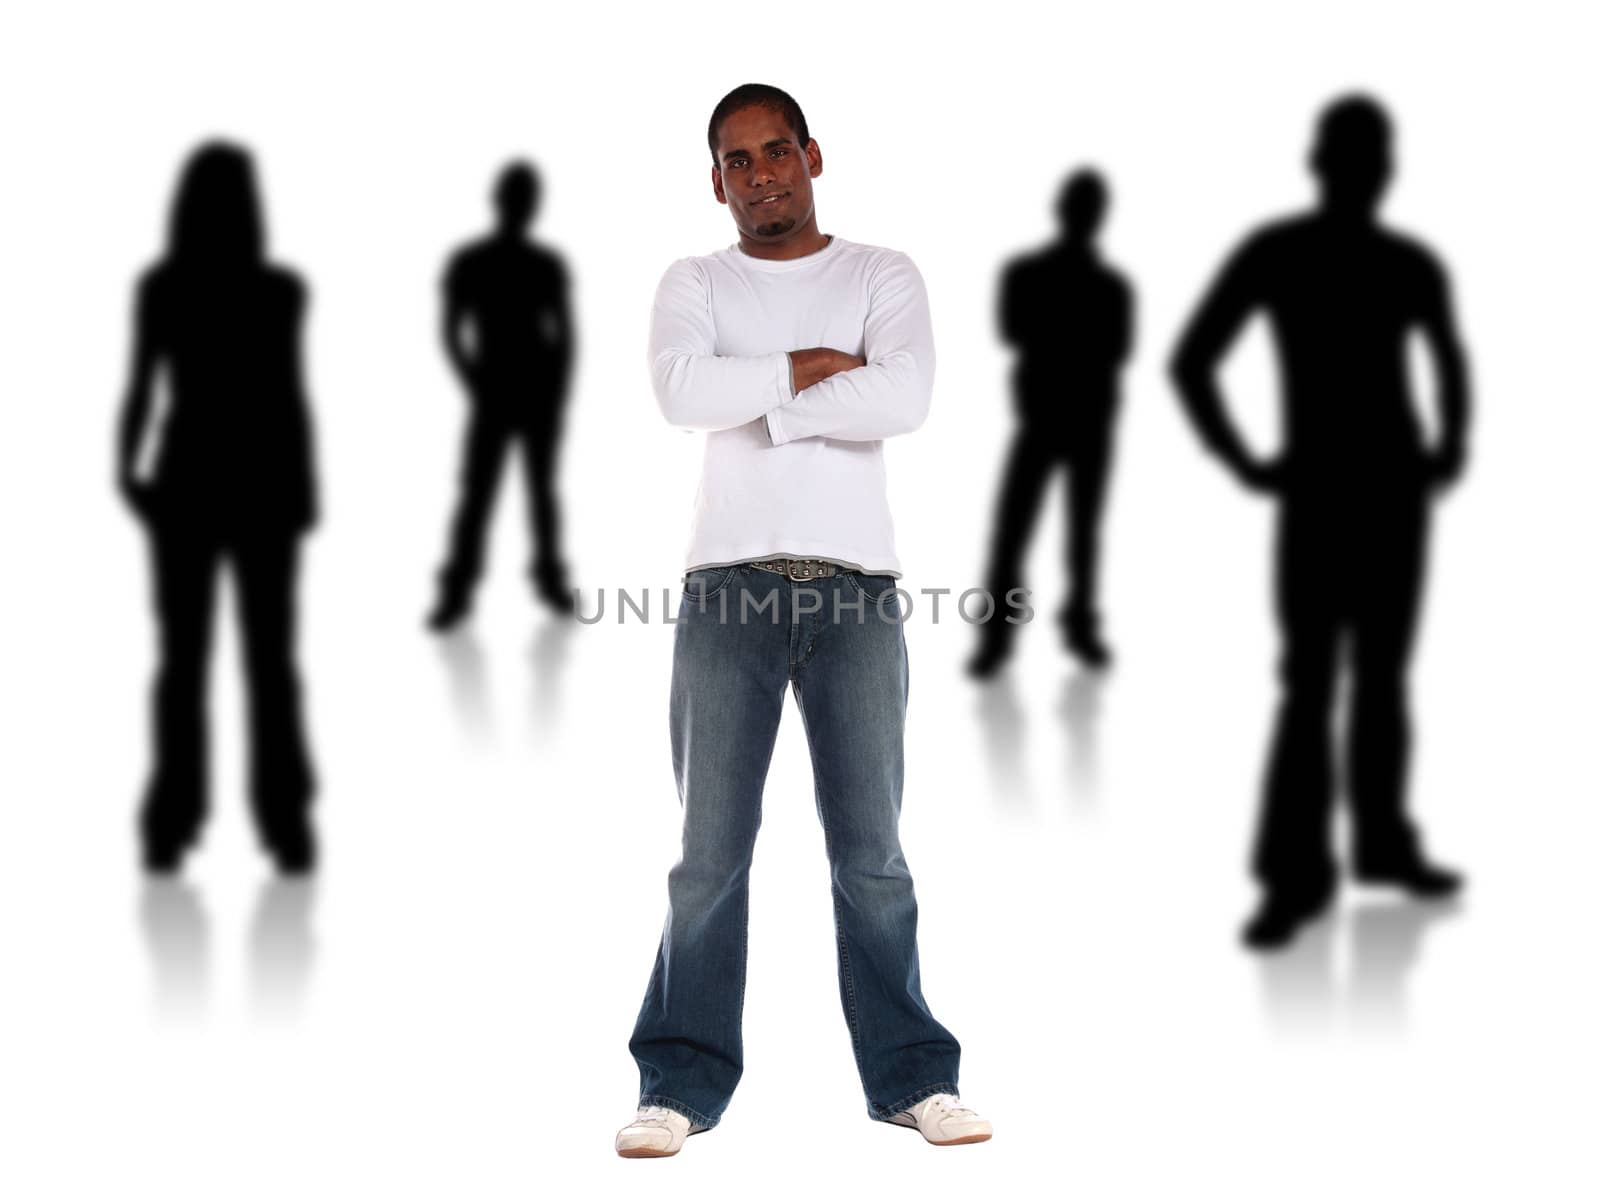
<point>137,401</point>
<point>297,367</point>
<point>1122,335</point>
<point>696,388</point>
<point>1205,343</point>
<point>1438,326</point>
<point>558,330</point>
<point>1010,308</point>
<point>456,317</point>
<point>890,393</point>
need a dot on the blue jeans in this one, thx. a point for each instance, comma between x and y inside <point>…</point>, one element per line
<point>744,637</point>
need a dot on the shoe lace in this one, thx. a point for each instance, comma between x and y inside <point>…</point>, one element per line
<point>949,1104</point>
<point>653,1117</point>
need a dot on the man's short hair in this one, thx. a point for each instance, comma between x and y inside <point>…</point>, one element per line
<point>764,96</point>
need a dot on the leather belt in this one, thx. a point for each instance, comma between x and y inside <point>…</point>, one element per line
<point>799,570</point>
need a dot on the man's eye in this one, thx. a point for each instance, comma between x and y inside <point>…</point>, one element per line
<point>776,153</point>
<point>737,163</point>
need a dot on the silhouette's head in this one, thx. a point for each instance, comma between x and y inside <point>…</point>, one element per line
<point>763,161</point>
<point>1081,205</point>
<point>516,197</point>
<point>216,215</point>
<point>1352,158</point>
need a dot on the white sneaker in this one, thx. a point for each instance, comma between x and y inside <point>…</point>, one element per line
<point>655,1132</point>
<point>942,1120</point>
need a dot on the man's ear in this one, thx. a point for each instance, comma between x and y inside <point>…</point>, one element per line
<point>814,158</point>
<point>716,184</point>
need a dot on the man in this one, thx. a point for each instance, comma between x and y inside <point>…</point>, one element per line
<point>511,294</point>
<point>1342,295</point>
<point>796,353</point>
<point>1070,317</point>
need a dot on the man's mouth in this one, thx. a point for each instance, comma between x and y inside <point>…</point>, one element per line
<point>770,199</point>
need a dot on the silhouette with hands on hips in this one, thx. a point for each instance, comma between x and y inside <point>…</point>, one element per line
<point>511,293</point>
<point>1070,317</point>
<point>1354,482</point>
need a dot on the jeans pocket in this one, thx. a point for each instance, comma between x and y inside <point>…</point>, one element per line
<point>704,583</point>
<point>880,591</point>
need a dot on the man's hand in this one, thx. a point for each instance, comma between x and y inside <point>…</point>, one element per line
<point>818,363</point>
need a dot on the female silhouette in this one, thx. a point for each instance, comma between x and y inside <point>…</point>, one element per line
<point>230,482</point>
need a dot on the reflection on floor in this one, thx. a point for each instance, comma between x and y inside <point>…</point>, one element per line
<point>1384,943</point>
<point>177,936</point>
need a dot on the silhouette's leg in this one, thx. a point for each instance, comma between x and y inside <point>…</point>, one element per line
<point>540,444</point>
<point>483,457</point>
<point>1088,472</point>
<point>729,679</point>
<point>852,692</point>
<point>1027,471</point>
<point>1294,857</point>
<point>185,564</point>
<point>1388,602</point>
<point>281,780</point>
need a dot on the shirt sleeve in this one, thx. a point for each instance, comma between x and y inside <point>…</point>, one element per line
<point>891,394</point>
<point>696,388</point>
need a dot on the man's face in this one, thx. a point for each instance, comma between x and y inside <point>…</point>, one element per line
<point>763,174</point>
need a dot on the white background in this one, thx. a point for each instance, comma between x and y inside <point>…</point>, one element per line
<point>445,1014</point>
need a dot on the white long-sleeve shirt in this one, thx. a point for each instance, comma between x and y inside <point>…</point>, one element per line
<point>786,473</point>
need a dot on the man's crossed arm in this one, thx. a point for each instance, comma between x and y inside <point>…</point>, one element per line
<point>804,392</point>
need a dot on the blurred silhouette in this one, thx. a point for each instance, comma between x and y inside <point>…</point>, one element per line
<point>1342,295</point>
<point>282,948</point>
<point>1070,317</point>
<point>511,293</point>
<point>232,485</point>
<point>177,937</point>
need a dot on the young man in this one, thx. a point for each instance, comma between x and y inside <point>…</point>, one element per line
<point>1355,481</point>
<point>797,353</point>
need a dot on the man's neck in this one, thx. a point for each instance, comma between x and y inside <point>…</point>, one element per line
<point>796,244</point>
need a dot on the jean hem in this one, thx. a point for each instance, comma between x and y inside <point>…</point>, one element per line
<point>683,1109</point>
<point>916,1096</point>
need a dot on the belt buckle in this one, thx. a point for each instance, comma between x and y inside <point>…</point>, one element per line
<point>801,570</point>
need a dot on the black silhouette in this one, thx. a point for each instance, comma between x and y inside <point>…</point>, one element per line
<point>232,484</point>
<point>1070,317</point>
<point>512,295</point>
<point>1342,294</point>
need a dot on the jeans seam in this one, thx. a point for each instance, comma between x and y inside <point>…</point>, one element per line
<point>850,1013</point>
<point>744,961</point>
<point>683,1109</point>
